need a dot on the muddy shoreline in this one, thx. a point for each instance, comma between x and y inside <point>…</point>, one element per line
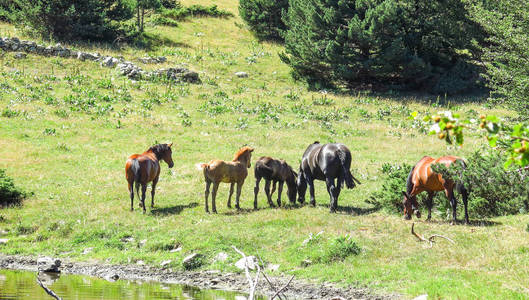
<point>298,289</point>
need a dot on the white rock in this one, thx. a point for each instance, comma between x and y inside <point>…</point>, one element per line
<point>87,250</point>
<point>421,297</point>
<point>241,74</point>
<point>48,264</point>
<point>249,261</point>
<point>165,263</point>
<point>272,267</point>
<point>3,241</point>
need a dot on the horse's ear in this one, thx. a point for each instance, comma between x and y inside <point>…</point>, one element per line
<point>170,145</point>
<point>251,149</point>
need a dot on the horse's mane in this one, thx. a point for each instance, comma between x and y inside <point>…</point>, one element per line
<point>409,183</point>
<point>159,149</point>
<point>241,152</point>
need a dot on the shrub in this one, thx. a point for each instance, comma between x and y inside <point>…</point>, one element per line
<point>338,249</point>
<point>493,191</point>
<point>264,17</point>
<point>9,194</point>
<point>72,19</point>
<point>389,196</point>
<point>408,43</point>
<point>195,10</point>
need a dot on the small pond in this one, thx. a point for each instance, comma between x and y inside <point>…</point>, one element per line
<point>23,285</point>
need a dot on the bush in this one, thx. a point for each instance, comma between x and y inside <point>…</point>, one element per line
<point>9,194</point>
<point>389,196</point>
<point>264,17</point>
<point>72,19</point>
<point>338,249</point>
<point>493,191</point>
<point>409,43</point>
<point>195,11</point>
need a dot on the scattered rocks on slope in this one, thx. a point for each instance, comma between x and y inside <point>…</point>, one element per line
<point>241,74</point>
<point>3,241</point>
<point>48,264</point>
<point>249,261</point>
<point>126,68</point>
<point>222,256</point>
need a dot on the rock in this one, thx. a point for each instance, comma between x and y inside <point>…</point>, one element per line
<point>128,239</point>
<point>421,297</point>
<point>176,250</point>
<point>152,60</point>
<point>140,263</point>
<point>222,256</point>
<point>20,55</point>
<point>241,74</point>
<point>240,298</point>
<point>142,242</point>
<point>3,241</point>
<point>215,281</point>
<point>111,277</point>
<point>87,250</point>
<point>48,264</point>
<point>192,261</point>
<point>109,62</point>
<point>165,263</point>
<point>249,261</point>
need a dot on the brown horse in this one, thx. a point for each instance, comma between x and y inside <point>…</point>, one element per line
<point>235,171</point>
<point>277,171</point>
<point>422,178</point>
<point>144,168</point>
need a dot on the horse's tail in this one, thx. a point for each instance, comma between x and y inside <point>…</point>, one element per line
<point>135,168</point>
<point>350,180</point>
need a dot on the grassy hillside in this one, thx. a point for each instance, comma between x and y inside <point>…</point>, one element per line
<point>67,127</point>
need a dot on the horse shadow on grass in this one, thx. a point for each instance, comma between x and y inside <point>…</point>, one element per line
<point>351,210</point>
<point>172,210</point>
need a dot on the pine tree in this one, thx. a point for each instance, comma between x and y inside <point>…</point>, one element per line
<point>412,43</point>
<point>264,17</point>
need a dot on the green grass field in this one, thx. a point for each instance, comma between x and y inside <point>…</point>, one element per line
<point>67,127</point>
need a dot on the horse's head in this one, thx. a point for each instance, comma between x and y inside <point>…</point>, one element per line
<point>301,185</point>
<point>244,155</point>
<point>410,205</point>
<point>164,152</point>
<point>292,185</point>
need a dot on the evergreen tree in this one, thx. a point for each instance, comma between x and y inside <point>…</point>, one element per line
<point>405,42</point>
<point>264,17</point>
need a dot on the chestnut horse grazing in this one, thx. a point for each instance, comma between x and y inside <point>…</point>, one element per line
<point>325,162</point>
<point>144,168</point>
<point>423,178</point>
<point>277,171</point>
<point>235,171</point>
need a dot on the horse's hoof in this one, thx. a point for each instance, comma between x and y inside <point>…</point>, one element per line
<point>229,205</point>
<point>215,211</point>
<point>313,203</point>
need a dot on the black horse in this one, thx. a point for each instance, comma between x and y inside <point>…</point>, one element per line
<point>325,162</point>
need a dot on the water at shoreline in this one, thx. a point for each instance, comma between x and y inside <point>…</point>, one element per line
<point>23,285</point>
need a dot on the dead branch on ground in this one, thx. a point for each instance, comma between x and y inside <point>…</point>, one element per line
<point>431,239</point>
<point>252,283</point>
<point>47,290</point>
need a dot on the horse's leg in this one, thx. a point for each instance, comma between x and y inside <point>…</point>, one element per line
<point>238,196</point>
<point>429,204</point>
<point>206,194</point>
<point>453,202</point>
<point>231,193</point>
<point>302,188</point>
<point>256,191</point>
<point>131,190</point>
<point>332,192</point>
<point>464,193</point>
<point>154,182</point>
<point>214,196</point>
<point>268,194</point>
<point>273,188</point>
<point>310,182</point>
<point>143,191</point>
<point>279,192</point>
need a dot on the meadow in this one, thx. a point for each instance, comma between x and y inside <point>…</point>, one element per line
<point>67,127</point>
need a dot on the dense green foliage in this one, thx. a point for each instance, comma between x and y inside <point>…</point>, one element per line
<point>506,54</point>
<point>170,17</point>
<point>493,190</point>
<point>264,17</point>
<point>389,196</point>
<point>9,193</point>
<point>71,19</point>
<point>412,44</point>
